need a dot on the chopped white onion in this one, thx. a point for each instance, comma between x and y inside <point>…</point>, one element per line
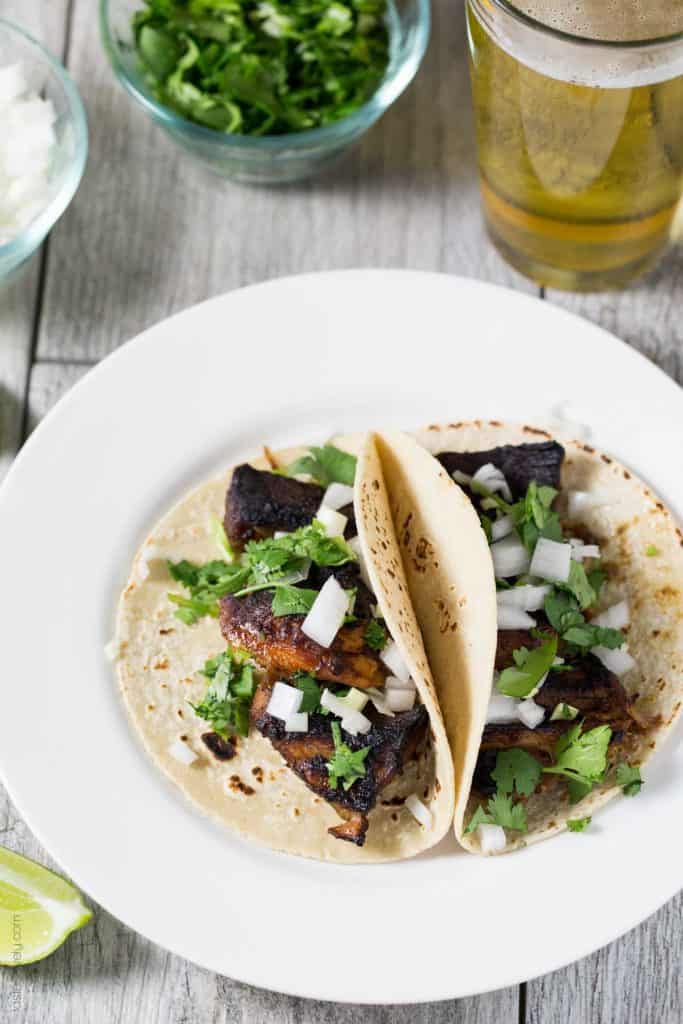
<point>334,522</point>
<point>510,617</point>
<point>298,722</point>
<point>418,810</point>
<point>579,502</point>
<point>393,659</point>
<point>111,650</point>
<point>618,661</point>
<point>180,751</point>
<point>401,700</point>
<point>392,683</point>
<point>510,557</point>
<point>501,527</point>
<point>581,550</point>
<point>564,712</point>
<point>617,616</point>
<point>530,713</point>
<point>279,533</point>
<point>551,560</point>
<point>464,479</point>
<point>327,613</point>
<point>492,838</point>
<point>490,477</point>
<point>501,709</point>
<point>356,699</point>
<point>334,704</point>
<point>354,544</point>
<point>355,722</point>
<point>379,699</point>
<point>529,598</point>
<point>337,496</point>
<point>285,701</point>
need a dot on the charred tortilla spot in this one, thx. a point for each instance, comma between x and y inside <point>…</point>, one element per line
<point>222,749</point>
<point>237,786</point>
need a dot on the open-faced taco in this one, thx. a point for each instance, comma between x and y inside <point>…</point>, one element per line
<point>274,669</point>
<point>585,566</point>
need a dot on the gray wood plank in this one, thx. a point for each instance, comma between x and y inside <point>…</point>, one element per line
<point>18,299</point>
<point>108,974</point>
<point>151,233</point>
<point>636,980</point>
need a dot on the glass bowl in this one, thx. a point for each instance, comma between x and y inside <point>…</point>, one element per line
<point>46,77</point>
<point>271,159</point>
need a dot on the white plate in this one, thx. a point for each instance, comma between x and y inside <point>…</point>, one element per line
<point>291,361</point>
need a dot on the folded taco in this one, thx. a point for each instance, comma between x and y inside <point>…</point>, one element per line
<point>273,666</point>
<point>579,674</point>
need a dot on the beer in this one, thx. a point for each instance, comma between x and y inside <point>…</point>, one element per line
<point>580,144</point>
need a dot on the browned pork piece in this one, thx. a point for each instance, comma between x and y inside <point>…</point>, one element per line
<point>392,742</point>
<point>519,464</point>
<point>278,643</point>
<point>258,502</point>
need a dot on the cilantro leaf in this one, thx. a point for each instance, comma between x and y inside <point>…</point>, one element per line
<point>507,814</point>
<point>293,600</point>
<point>578,824</point>
<point>228,698</point>
<point>533,515</point>
<point>564,615</point>
<point>516,770</point>
<point>220,536</point>
<point>652,550</point>
<point>326,465</point>
<point>192,609</point>
<point>582,757</point>
<point>305,682</point>
<point>530,667</point>
<point>480,817</point>
<point>628,777</point>
<point>579,586</point>
<point>346,765</point>
<point>376,635</point>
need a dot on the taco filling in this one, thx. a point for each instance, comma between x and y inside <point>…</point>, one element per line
<point>310,663</point>
<point>558,717</point>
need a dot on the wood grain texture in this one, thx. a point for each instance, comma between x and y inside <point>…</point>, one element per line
<point>150,233</point>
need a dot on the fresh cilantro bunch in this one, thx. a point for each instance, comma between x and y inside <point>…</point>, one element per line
<point>345,765</point>
<point>257,67</point>
<point>327,465</point>
<point>228,698</point>
<point>263,564</point>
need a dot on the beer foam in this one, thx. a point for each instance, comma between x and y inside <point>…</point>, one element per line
<point>609,20</point>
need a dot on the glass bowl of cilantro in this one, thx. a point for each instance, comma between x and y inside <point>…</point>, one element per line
<point>265,91</point>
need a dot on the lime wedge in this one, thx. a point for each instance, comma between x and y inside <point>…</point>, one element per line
<point>38,910</point>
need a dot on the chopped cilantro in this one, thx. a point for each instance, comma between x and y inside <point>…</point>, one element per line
<point>533,515</point>
<point>480,817</point>
<point>228,698</point>
<point>500,810</point>
<point>652,551</point>
<point>376,635</point>
<point>578,824</point>
<point>305,682</point>
<point>522,678</point>
<point>516,770</point>
<point>564,712</point>
<point>192,609</point>
<point>578,585</point>
<point>564,615</point>
<point>346,765</point>
<point>628,777</point>
<point>326,465</point>
<point>293,600</point>
<point>253,68</point>
<point>581,757</point>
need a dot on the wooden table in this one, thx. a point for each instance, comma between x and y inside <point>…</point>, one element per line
<point>148,234</point>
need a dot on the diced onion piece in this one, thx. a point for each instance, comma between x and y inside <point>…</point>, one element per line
<point>335,704</point>
<point>490,477</point>
<point>527,597</point>
<point>510,617</point>
<point>510,557</point>
<point>618,661</point>
<point>111,650</point>
<point>337,496</point>
<point>379,699</point>
<point>392,683</point>
<point>551,560</point>
<point>501,709</point>
<point>354,544</point>
<point>393,659</point>
<point>617,616</point>
<point>285,701</point>
<point>579,502</point>
<point>334,522</point>
<point>355,722</point>
<point>279,533</point>
<point>501,527</point>
<point>492,838</point>
<point>356,699</point>
<point>180,751</point>
<point>581,550</point>
<point>298,722</point>
<point>401,700</point>
<point>327,613</point>
<point>464,479</point>
<point>418,810</point>
<point>530,713</point>
<point>564,712</point>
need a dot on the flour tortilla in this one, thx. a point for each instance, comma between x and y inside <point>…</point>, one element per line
<point>255,794</point>
<point>629,521</point>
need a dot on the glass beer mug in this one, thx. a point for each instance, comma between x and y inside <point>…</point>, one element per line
<point>579,121</point>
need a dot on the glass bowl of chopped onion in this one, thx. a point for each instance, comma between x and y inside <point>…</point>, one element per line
<point>265,91</point>
<point>43,145</point>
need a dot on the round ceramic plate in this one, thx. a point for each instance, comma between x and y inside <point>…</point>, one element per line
<point>295,361</point>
